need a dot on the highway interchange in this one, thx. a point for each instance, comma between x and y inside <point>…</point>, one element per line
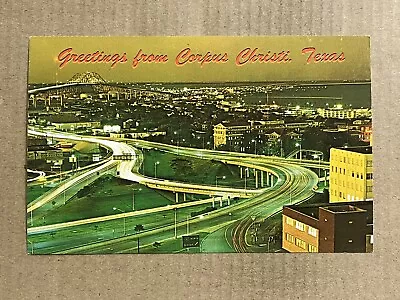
<point>228,225</point>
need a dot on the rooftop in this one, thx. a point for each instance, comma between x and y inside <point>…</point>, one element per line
<point>343,208</point>
<point>312,210</point>
<point>360,149</point>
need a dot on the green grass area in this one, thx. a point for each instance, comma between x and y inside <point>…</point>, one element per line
<point>76,236</point>
<point>103,196</point>
<point>35,191</point>
<point>194,170</point>
<point>107,193</point>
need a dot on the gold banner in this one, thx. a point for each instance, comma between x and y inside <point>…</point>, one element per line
<point>201,59</point>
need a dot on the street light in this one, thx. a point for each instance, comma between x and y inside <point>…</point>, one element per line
<point>177,142</point>
<point>255,146</point>
<point>115,208</point>
<point>270,239</point>
<point>299,145</point>
<point>133,198</point>
<point>187,225</point>
<point>175,224</point>
<point>319,164</point>
<point>155,168</point>
<point>246,174</point>
<point>216,179</point>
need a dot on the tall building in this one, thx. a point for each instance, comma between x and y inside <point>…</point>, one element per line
<point>350,177</point>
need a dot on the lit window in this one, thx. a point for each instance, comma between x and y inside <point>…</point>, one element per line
<point>312,248</point>
<point>350,222</point>
<point>300,243</point>
<point>350,241</point>
<point>312,231</point>
<point>290,238</point>
<point>299,226</point>
<point>289,221</point>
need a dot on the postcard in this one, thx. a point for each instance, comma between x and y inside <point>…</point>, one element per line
<point>151,145</point>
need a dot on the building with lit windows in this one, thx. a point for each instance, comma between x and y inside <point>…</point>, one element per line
<point>362,129</point>
<point>71,126</point>
<point>232,133</point>
<point>350,176</point>
<point>339,112</point>
<point>38,149</point>
<point>328,227</point>
<point>366,133</point>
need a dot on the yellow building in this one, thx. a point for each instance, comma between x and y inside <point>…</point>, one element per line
<point>219,135</point>
<point>232,134</point>
<point>350,177</point>
<point>300,232</point>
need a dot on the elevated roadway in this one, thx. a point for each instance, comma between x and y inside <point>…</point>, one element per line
<point>295,184</point>
<point>127,169</point>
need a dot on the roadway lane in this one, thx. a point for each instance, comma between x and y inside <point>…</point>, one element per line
<point>127,169</point>
<point>295,183</point>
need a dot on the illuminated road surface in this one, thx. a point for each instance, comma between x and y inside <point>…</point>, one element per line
<point>296,183</point>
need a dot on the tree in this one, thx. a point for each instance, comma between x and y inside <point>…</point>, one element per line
<point>156,245</point>
<point>138,228</point>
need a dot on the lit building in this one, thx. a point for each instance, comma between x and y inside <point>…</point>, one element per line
<point>350,177</point>
<point>71,126</point>
<point>232,133</point>
<point>38,149</point>
<point>366,133</point>
<point>112,128</point>
<point>328,227</point>
<point>51,154</point>
<point>362,129</point>
<point>340,113</point>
